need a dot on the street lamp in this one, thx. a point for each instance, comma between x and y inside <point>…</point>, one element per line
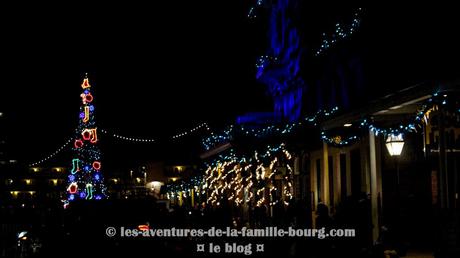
<point>395,144</point>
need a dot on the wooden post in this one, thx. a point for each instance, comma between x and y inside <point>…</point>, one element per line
<point>337,179</point>
<point>325,174</point>
<point>373,186</point>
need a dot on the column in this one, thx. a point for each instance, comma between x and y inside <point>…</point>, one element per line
<point>337,178</point>
<point>325,175</point>
<point>373,186</point>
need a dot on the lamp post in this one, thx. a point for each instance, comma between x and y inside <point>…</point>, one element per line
<point>395,144</point>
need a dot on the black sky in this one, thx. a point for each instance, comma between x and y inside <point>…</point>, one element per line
<point>159,69</point>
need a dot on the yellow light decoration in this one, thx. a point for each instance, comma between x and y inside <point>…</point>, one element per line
<point>337,139</point>
<point>86,118</point>
<point>85,83</point>
<point>93,135</point>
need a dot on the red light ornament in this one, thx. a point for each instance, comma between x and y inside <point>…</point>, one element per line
<point>97,165</point>
<point>78,143</point>
<point>86,98</point>
<point>73,187</point>
<point>86,134</point>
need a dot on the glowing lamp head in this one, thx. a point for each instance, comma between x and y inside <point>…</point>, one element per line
<point>395,144</point>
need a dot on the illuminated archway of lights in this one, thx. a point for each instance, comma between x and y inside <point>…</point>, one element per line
<point>124,138</point>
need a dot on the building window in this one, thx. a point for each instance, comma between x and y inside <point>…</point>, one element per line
<point>14,194</point>
<point>28,181</point>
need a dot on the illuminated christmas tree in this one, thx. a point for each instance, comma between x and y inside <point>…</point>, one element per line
<point>85,181</point>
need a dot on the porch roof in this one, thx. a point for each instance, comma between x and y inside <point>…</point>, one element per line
<point>392,107</point>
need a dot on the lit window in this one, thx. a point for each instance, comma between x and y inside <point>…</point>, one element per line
<point>35,169</point>
<point>28,181</point>
<point>14,194</point>
<point>54,181</point>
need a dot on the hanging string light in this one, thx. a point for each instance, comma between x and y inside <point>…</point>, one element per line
<point>411,125</point>
<point>124,138</point>
<point>341,32</point>
<point>231,131</point>
<point>52,155</point>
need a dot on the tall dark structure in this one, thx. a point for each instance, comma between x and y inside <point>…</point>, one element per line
<point>279,69</point>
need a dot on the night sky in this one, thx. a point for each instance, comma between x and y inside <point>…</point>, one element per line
<point>158,70</point>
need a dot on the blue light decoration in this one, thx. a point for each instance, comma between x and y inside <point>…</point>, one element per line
<point>279,68</point>
<point>411,125</point>
<point>341,32</point>
<point>85,153</point>
<point>232,131</point>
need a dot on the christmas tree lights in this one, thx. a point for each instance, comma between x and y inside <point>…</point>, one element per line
<point>86,181</point>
